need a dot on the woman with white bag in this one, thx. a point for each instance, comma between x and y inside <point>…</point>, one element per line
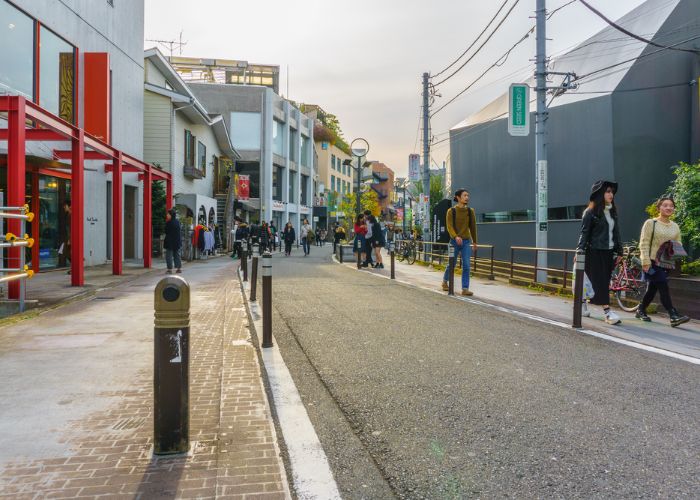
<point>600,240</point>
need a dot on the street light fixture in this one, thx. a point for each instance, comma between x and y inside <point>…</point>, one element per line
<point>359,148</point>
<point>402,186</point>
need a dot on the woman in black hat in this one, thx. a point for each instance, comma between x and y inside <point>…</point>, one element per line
<point>600,239</point>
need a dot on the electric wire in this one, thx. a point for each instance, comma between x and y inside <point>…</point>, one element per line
<point>475,40</point>
<point>481,46</point>
<point>630,34</point>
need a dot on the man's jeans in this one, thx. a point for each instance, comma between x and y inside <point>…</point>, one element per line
<point>306,246</point>
<point>169,254</point>
<point>465,249</point>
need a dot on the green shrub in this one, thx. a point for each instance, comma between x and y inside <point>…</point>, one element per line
<point>691,268</point>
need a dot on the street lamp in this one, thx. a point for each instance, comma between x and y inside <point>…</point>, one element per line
<point>359,148</point>
<point>402,186</point>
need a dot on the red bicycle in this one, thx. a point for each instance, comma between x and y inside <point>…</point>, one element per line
<point>627,282</point>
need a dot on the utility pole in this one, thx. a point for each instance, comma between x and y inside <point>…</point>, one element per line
<point>426,154</point>
<point>541,141</point>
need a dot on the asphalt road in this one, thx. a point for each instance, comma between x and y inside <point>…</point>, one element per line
<point>419,396</point>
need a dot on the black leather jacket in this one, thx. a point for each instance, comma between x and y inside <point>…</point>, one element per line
<point>595,233</point>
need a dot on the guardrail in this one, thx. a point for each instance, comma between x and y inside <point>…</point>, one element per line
<point>553,273</point>
<point>434,252</point>
<point>21,272</point>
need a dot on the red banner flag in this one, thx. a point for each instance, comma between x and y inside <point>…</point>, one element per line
<point>243,187</point>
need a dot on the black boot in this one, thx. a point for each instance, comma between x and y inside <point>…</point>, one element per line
<point>677,318</point>
<point>642,314</point>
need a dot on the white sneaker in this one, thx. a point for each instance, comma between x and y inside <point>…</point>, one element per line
<point>584,310</point>
<point>612,319</point>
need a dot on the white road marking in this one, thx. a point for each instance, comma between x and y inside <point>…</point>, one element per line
<point>515,312</point>
<point>311,472</point>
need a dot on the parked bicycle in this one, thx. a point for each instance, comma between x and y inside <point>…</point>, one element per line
<point>407,250</point>
<point>626,281</point>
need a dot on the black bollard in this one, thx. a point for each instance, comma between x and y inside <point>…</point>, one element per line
<point>171,420</point>
<point>451,276</point>
<point>267,299</point>
<point>579,267</point>
<point>340,253</point>
<point>359,260</point>
<point>393,266</point>
<point>253,278</point>
<point>244,261</point>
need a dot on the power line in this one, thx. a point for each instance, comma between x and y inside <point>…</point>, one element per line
<point>636,58</point>
<point>549,16</point>
<point>480,46</point>
<point>475,40</point>
<point>640,89</point>
<point>499,62</point>
<point>630,34</point>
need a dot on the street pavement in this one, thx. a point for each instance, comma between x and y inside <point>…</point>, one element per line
<point>76,418</point>
<point>417,395</point>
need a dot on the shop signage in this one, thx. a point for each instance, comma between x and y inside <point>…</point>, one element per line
<point>277,205</point>
<point>414,167</point>
<point>243,187</point>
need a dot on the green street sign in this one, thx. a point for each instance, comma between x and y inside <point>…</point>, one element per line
<point>519,110</point>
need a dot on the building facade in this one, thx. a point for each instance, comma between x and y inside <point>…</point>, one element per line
<point>275,143</point>
<point>84,63</point>
<point>184,139</point>
<point>634,116</point>
<point>383,185</point>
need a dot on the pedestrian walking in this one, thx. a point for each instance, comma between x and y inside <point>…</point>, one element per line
<point>378,241</point>
<point>274,236</point>
<point>657,235</point>
<point>289,236</point>
<point>254,234</point>
<point>306,237</point>
<point>600,240</point>
<point>173,241</point>
<point>338,236</point>
<point>461,224</point>
<point>368,240</point>
<point>239,237</point>
<point>265,238</point>
<point>360,230</point>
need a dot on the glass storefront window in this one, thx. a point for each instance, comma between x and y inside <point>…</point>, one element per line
<point>56,75</point>
<point>292,187</point>
<point>17,53</point>
<point>54,222</point>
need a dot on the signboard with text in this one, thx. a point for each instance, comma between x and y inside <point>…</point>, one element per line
<point>519,110</point>
<point>414,167</point>
<point>243,187</point>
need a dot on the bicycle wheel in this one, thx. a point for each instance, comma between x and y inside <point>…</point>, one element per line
<point>411,256</point>
<point>400,253</point>
<point>631,290</point>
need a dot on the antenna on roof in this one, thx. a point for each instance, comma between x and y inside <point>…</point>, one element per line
<point>170,45</point>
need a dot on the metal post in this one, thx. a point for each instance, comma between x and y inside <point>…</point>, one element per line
<point>77,209</point>
<point>491,276</point>
<point>253,278</point>
<point>426,154</point>
<point>359,258</point>
<point>117,214</point>
<point>267,299</point>
<point>22,282</point>
<point>340,252</point>
<point>244,260</point>
<point>452,262</point>
<point>578,288</point>
<point>16,181</point>
<point>393,266</point>
<point>171,421</point>
<point>541,142</point>
<point>358,194</point>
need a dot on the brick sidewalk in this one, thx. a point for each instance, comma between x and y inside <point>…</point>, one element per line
<point>234,452</point>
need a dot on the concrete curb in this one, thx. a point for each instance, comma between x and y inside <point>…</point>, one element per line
<point>311,473</point>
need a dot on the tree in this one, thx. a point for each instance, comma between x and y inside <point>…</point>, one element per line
<point>437,193</point>
<point>368,201</point>
<point>158,207</point>
<point>685,190</point>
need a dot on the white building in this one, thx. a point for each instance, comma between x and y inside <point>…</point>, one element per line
<point>184,139</point>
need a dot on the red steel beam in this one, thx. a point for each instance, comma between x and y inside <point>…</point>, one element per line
<point>117,207</point>
<point>168,194</point>
<point>77,210</point>
<point>147,220</point>
<point>16,120</point>
<point>36,134</point>
<point>87,155</point>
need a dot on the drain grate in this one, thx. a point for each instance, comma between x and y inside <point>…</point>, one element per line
<point>128,423</point>
<point>104,298</point>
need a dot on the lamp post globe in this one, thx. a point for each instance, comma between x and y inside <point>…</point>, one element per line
<point>359,148</point>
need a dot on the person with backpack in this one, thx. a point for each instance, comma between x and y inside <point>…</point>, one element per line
<point>461,225</point>
<point>306,237</point>
<point>656,234</point>
<point>378,241</point>
<point>600,240</point>
<point>173,241</point>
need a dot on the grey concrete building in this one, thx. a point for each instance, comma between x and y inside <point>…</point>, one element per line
<point>275,143</point>
<point>634,116</point>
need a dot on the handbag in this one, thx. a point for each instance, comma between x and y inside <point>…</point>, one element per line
<point>678,250</point>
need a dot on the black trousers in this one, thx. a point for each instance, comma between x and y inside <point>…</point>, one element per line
<point>287,247</point>
<point>599,267</point>
<point>657,282</point>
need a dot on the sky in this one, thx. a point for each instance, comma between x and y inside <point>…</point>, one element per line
<point>363,60</point>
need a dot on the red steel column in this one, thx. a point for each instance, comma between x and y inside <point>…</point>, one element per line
<point>117,215</point>
<point>147,218</point>
<point>77,217</point>
<point>16,121</point>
